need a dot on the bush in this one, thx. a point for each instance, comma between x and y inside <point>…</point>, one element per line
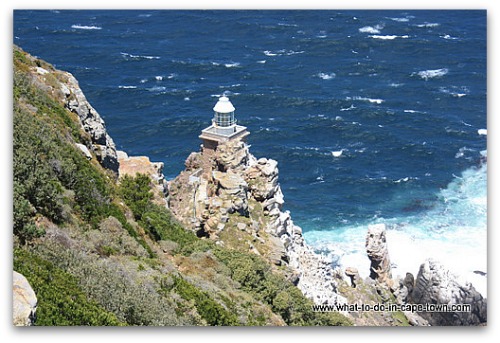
<point>256,277</point>
<point>60,300</point>
<point>157,221</point>
<point>211,311</point>
<point>136,191</point>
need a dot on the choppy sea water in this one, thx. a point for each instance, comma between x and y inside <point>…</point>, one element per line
<point>373,116</point>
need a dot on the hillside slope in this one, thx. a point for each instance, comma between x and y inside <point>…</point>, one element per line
<point>98,250</point>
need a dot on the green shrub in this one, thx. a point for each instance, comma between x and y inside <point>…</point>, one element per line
<point>136,191</point>
<point>208,308</point>
<point>60,299</point>
<point>256,277</point>
<point>160,224</point>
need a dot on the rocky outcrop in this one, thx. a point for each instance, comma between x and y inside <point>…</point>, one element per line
<point>438,286</point>
<point>24,301</point>
<point>101,143</point>
<point>132,165</point>
<point>229,190</point>
<point>376,248</point>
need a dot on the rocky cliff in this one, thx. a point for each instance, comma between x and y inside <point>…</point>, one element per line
<point>235,199</point>
<point>438,286</point>
<point>101,143</point>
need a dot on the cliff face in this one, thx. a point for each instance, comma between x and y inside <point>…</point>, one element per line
<point>65,88</point>
<point>235,199</point>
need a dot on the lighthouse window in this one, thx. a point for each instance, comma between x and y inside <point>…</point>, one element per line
<point>224,119</point>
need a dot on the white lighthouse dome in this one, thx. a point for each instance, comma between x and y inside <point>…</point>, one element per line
<point>224,105</point>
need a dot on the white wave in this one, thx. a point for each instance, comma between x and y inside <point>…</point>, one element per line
<point>432,73</point>
<point>85,27</point>
<point>337,153</point>
<point>269,53</point>
<point>159,78</point>
<point>370,100</point>
<point>292,52</point>
<point>428,25</point>
<point>282,52</point>
<point>127,87</point>
<point>401,20</point>
<point>371,29</point>
<point>448,37</point>
<point>395,84</point>
<point>138,57</point>
<point>388,37</point>
<point>482,132</point>
<point>453,231</point>
<point>326,76</point>
<point>405,179</point>
<point>232,64</point>
<point>261,61</point>
<point>348,108</point>
<point>455,91</point>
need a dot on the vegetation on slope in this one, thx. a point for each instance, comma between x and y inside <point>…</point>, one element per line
<point>100,252</point>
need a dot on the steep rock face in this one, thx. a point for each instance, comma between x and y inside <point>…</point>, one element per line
<point>228,194</point>
<point>102,144</point>
<point>376,248</point>
<point>24,301</point>
<point>437,285</point>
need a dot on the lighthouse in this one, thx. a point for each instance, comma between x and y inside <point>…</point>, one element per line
<point>224,127</point>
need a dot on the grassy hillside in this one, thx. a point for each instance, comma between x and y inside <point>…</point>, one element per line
<point>98,251</point>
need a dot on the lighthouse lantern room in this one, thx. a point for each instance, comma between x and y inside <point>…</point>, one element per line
<point>224,127</point>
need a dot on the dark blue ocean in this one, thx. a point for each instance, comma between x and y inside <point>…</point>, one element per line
<point>373,116</point>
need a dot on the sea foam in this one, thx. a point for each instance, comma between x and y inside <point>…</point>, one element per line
<point>432,73</point>
<point>371,29</point>
<point>453,231</point>
<point>326,76</point>
<point>388,37</point>
<point>370,100</point>
<point>85,27</point>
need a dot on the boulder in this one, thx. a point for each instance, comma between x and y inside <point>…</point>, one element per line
<point>438,286</point>
<point>231,182</point>
<point>353,275</point>
<point>232,155</point>
<point>85,150</point>
<point>24,301</point>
